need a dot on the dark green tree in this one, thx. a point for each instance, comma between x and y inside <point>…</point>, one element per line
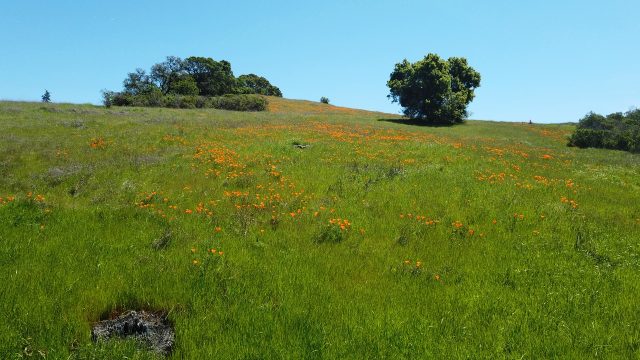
<point>254,84</point>
<point>192,82</point>
<point>46,97</point>
<point>107,98</point>
<point>433,89</point>
<point>138,83</point>
<point>166,73</point>
<point>185,85</point>
<point>213,78</point>
<point>620,131</point>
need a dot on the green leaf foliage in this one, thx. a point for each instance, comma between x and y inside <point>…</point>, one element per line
<point>212,77</point>
<point>234,102</point>
<point>433,89</point>
<point>192,82</point>
<point>615,131</point>
<point>186,85</point>
<point>254,84</point>
<point>166,73</point>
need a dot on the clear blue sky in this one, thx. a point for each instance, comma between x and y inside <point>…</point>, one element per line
<point>550,61</point>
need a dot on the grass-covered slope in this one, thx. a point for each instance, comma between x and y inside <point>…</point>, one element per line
<point>283,106</point>
<point>377,240</point>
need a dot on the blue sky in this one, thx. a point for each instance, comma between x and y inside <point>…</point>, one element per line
<point>549,61</point>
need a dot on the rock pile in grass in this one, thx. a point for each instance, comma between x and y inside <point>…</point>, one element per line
<point>149,328</point>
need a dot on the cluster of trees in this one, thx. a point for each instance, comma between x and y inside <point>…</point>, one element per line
<point>620,131</point>
<point>434,90</point>
<point>190,82</point>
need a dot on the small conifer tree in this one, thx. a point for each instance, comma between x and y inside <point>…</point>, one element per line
<point>46,97</point>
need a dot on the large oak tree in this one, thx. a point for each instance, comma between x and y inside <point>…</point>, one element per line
<point>433,89</point>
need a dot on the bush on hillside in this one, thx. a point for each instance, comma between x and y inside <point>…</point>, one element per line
<point>194,82</point>
<point>254,84</point>
<point>616,131</point>
<point>180,101</point>
<point>242,102</point>
<point>324,100</point>
<point>185,86</point>
<point>239,102</point>
<point>107,98</point>
<point>118,98</point>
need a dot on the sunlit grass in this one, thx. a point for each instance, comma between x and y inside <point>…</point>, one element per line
<point>305,233</point>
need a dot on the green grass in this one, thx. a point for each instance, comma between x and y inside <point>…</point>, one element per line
<point>527,248</point>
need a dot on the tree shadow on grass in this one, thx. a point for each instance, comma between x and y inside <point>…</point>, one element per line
<point>416,122</point>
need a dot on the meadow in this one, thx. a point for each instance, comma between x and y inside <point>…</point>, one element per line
<point>313,232</point>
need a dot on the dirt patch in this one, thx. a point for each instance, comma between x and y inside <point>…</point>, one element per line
<point>151,329</point>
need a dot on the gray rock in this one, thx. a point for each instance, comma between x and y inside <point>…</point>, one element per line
<point>149,328</point>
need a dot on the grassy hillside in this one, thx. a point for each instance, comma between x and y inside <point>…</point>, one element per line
<point>377,240</point>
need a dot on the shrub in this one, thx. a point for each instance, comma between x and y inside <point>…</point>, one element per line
<point>152,98</point>
<point>201,102</point>
<point>330,235</point>
<point>254,84</point>
<point>184,86</point>
<point>171,101</point>
<point>239,102</point>
<point>588,138</point>
<point>107,98</point>
<point>156,99</point>
<point>122,99</point>
<point>324,100</point>
<point>188,102</point>
<point>615,131</point>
